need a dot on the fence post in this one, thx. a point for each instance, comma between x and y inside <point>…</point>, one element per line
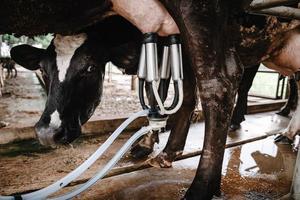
<point>295,191</point>
<point>133,82</point>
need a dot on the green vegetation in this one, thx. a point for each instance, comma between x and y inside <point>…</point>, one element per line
<point>12,40</point>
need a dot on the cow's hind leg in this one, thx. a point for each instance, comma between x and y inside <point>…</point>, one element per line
<point>145,145</point>
<point>204,26</point>
<point>181,122</point>
<point>292,100</point>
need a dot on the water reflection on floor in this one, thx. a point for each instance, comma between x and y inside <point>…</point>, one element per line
<point>257,170</point>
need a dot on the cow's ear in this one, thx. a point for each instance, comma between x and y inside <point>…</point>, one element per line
<point>27,56</point>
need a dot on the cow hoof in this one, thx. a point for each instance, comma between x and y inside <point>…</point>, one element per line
<point>145,146</point>
<point>284,113</point>
<point>162,160</point>
<point>68,138</point>
<point>139,152</point>
<point>282,139</point>
<point>3,124</point>
<point>46,139</point>
<point>296,143</point>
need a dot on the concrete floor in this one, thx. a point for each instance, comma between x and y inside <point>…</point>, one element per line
<point>257,170</point>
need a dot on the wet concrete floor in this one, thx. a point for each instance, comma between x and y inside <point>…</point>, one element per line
<point>257,170</point>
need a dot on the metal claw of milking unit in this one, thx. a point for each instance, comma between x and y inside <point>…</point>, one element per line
<point>171,66</point>
<point>157,82</point>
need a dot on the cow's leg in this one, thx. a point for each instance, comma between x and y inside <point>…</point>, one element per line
<point>144,147</point>
<point>292,100</point>
<point>181,121</point>
<point>294,125</point>
<point>206,35</point>
<point>179,129</point>
<point>8,73</point>
<point>16,72</point>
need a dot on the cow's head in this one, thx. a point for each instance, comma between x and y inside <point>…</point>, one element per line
<point>73,70</point>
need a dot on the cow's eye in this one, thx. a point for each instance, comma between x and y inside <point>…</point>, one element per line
<point>90,68</point>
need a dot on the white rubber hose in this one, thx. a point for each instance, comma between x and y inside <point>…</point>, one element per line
<point>102,172</point>
<point>45,192</point>
<point>160,104</point>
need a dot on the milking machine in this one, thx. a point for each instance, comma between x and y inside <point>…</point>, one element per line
<point>156,82</point>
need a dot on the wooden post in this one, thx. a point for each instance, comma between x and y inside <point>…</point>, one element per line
<point>263,4</point>
<point>133,82</point>
<point>295,191</point>
<point>280,11</point>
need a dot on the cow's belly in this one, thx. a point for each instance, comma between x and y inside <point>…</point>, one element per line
<point>146,15</point>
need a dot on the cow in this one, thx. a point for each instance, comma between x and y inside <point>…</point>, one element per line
<point>213,65</point>
<point>293,127</point>
<point>291,103</point>
<point>8,64</point>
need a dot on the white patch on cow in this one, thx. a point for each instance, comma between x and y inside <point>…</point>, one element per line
<point>294,125</point>
<point>55,119</point>
<point>65,47</point>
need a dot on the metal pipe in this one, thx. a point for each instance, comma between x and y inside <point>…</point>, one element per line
<point>151,62</point>
<point>264,4</point>
<point>142,63</point>
<point>165,64</point>
<point>280,11</point>
<point>180,62</point>
<point>175,61</point>
<point>165,71</point>
<point>146,165</point>
<point>150,40</point>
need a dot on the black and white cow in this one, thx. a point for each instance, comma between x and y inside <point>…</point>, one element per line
<point>73,69</point>
<point>209,35</point>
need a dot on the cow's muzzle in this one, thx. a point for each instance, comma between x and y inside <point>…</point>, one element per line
<point>51,136</point>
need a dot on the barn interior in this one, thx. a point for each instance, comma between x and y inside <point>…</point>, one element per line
<point>254,165</point>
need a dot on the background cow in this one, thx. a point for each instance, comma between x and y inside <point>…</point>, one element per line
<point>9,65</point>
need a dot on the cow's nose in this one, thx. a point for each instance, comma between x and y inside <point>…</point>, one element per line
<point>49,129</point>
<point>49,135</point>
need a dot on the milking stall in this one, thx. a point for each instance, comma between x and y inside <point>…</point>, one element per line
<point>149,99</point>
